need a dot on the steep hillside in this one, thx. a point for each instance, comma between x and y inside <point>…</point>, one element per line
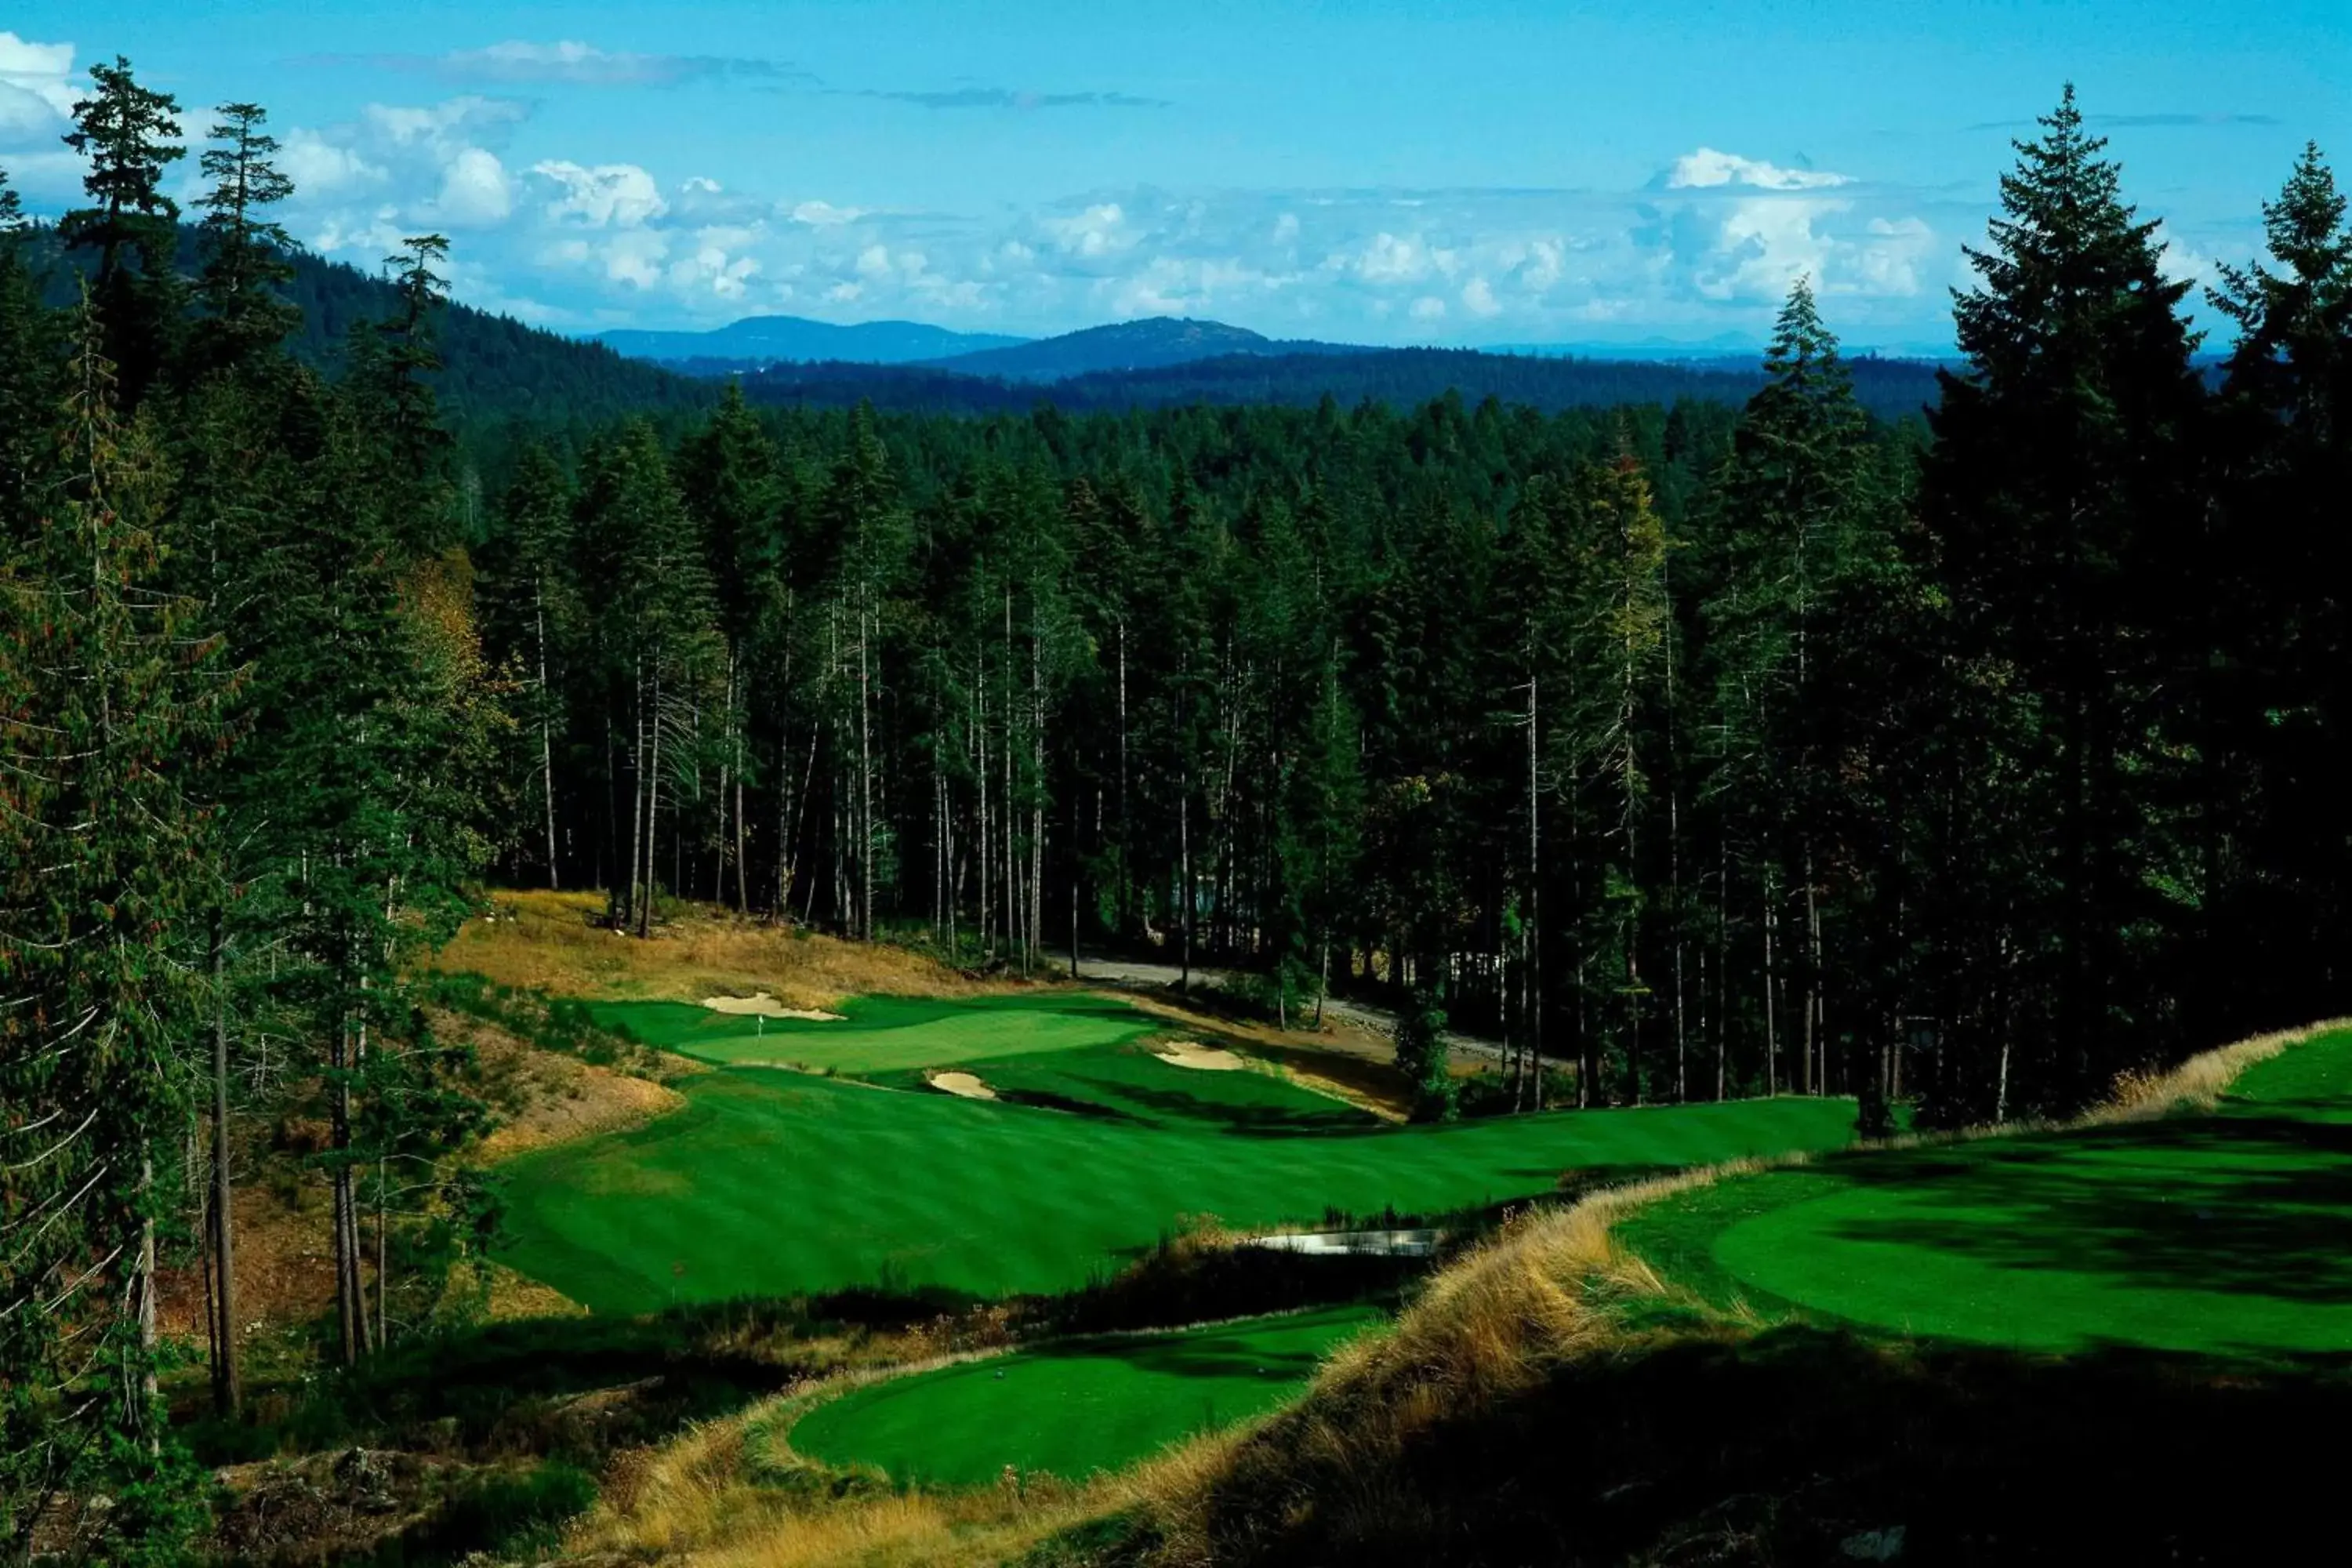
<point>495,370</point>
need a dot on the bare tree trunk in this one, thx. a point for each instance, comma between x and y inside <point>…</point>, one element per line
<point>546,735</point>
<point>653,816</point>
<point>228,1390</point>
<point>1185,854</point>
<point>864,781</point>
<point>1125,887</point>
<point>638,804</point>
<point>1771,1017</point>
<point>348,1321</point>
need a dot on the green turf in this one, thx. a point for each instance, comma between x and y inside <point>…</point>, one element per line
<point>1129,1082</point>
<point>1074,1407</point>
<point>2217,1233</point>
<point>882,1034</point>
<point>769,1183</point>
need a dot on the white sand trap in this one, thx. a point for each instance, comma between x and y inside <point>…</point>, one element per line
<point>766,1006</point>
<point>963,1084</point>
<point>1192,1054</point>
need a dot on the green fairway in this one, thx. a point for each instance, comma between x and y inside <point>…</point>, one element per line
<point>772,1183</point>
<point>882,1034</point>
<point>2216,1233</point>
<point>1130,1083</point>
<point>1075,1408</point>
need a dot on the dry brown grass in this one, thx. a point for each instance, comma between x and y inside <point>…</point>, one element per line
<point>700,1499</point>
<point>549,942</point>
<point>2198,1083</point>
<point>285,1263</point>
<point>548,1098</point>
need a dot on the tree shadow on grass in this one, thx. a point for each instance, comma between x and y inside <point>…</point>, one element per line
<point>2255,1205</point>
<point>1787,1446</point>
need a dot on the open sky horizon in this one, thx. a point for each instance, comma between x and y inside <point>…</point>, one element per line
<point>1484,173</point>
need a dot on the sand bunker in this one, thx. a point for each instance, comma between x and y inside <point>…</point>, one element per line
<point>963,1084</point>
<point>766,1006</point>
<point>1192,1054</point>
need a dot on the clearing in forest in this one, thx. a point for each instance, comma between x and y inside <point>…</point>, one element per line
<point>2218,1232</point>
<point>775,1183</point>
<point>1076,1406</point>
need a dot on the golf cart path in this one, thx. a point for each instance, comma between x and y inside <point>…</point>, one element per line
<point>1146,976</point>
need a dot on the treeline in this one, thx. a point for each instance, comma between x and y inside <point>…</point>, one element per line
<point>1893,390</point>
<point>244,722</point>
<point>497,378</point>
<point>1714,754</point>
<point>1696,751</point>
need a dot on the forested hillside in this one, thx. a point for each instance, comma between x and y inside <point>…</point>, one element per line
<point>493,369</point>
<point>1705,750</point>
<point>1891,390</point>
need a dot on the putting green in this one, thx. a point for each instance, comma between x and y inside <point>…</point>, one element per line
<point>2219,1233</point>
<point>1077,1407</point>
<point>772,1183</point>
<point>881,1034</point>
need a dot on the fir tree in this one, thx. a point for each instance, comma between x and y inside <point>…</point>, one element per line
<point>104,701</point>
<point>2061,495</point>
<point>129,134</point>
<point>245,252</point>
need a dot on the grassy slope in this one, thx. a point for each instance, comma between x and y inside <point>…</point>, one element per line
<point>768,1183</point>
<point>1077,1406</point>
<point>2218,1233</point>
<point>882,1034</point>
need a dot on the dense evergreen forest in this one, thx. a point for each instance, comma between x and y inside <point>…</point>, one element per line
<point>1694,751</point>
<point>1890,389</point>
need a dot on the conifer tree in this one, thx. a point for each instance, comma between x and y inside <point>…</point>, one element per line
<point>245,250</point>
<point>2278,699</point>
<point>29,375</point>
<point>129,133</point>
<point>2061,499</point>
<point>104,698</point>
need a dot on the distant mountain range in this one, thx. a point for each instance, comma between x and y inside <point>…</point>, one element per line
<point>796,359</point>
<point>759,341</point>
<point>1151,344</point>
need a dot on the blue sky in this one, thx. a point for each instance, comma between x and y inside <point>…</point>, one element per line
<point>1475,172</point>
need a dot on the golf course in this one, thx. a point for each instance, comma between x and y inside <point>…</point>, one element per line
<point>2216,1232</point>
<point>771,1183</point>
<point>1076,1406</point>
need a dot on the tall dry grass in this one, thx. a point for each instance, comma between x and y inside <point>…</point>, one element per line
<point>2198,1083</point>
<point>552,943</point>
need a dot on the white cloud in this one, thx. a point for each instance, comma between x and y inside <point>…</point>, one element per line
<point>475,191</point>
<point>1478,299</point>
<point>1096,231</point>
<point>633,256</point>
<point>1765,246</point>
<point>1706,168</point>
<point>37,89</point>
<point>1889,262</point>
<point>2183,263</point>
<point>825,215</point>
<point>1428,308</point>
<point>442,127</point>
<point>609,195</point>
<point>320,168</point>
